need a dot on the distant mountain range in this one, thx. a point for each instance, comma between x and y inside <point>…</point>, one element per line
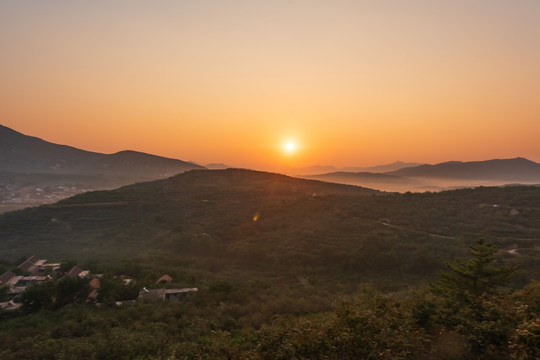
<point>35,171</point>
<point>379,181</point>
<point>447,175</point>
<point>511,170</point>
<point>363,177</point>
<point>217,166</point>
<point>319,169</point>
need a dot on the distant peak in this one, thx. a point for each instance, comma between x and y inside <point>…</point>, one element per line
<point>453,162</point>
<point>217,166</point>
<point>521,159</point>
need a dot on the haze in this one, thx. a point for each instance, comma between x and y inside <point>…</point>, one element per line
<point>348,82</point>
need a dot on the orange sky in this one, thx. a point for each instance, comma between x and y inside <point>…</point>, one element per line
<point>356,83</point>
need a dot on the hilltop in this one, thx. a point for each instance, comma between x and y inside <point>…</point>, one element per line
<point>271,224</point>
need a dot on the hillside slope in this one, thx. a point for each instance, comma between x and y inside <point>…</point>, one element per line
<point>270,224</point>
<point>26,154</point>
<point>34,171</point>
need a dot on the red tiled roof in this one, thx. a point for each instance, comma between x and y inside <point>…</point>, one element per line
<point>29,264</point>
<point>93,294</point>
<point>95,283</point>
<point>5,277</point>
<point>74,272</point>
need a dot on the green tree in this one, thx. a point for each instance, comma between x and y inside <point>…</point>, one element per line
<point>71,290</point>
<point>39,297</point>
<point>472,304</point>
<point>3,292</point>
<point>114,289</point>
<point>477,277</point>
<point>66,265</point>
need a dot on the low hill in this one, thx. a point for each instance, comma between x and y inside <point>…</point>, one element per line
<point>385,182</point>
<point>319,169</point>
<point>246,224</point>
<point>360,176</point>
<point>396,165</point>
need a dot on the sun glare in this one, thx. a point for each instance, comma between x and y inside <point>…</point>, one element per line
<point>289,147</point>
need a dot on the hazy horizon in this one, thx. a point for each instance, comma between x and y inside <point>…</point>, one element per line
<point>276,85</point>
<point>312,169</point>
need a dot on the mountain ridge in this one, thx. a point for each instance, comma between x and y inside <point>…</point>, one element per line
<point>29,154</point>
<point>442,176</point>
<point>34,171</point>
<point>513,169</point>
<point>319,169</point>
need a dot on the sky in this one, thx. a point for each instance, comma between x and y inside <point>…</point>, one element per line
<point>344,82</point>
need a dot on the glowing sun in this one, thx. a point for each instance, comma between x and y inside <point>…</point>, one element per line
<point>289,147</point>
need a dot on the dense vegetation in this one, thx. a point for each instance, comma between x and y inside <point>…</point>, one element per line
<point>285,268</point>
<point>269,225</point>
<point>466,314</point>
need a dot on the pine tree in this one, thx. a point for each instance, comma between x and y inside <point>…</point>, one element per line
<point>477,277</point>
<point>472,304</point>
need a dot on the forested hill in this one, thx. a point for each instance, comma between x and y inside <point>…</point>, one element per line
<point>268,224</point>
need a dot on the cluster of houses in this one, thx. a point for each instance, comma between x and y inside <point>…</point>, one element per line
<point>35,270</point>
<point>19,194</point>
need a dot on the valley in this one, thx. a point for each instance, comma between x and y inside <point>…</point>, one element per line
<point>268,253</point>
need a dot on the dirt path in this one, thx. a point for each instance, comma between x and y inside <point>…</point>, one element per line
<point>419,231</point>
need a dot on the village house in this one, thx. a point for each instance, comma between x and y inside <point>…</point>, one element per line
<point>95,283</point>
<point>5,277</point>
<point>33,271</point>
<point>17,283</point>
<point>33,265</point>
<point>75,272</point>
<point>164,294</point>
